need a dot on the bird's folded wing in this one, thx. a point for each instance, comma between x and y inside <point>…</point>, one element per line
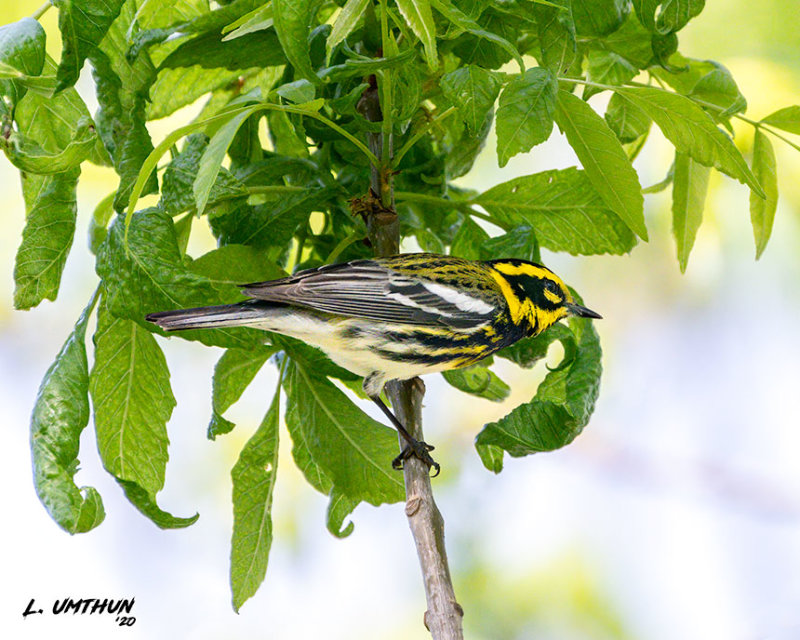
<point>367,289</point>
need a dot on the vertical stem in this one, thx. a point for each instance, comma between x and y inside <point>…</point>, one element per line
<point>443,617</point>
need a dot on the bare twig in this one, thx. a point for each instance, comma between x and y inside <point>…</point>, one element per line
<point>443,617</point>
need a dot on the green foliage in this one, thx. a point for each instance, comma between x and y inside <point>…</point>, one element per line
<point>280,149</point>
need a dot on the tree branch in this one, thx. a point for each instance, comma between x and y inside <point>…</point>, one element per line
<point>443,617</point>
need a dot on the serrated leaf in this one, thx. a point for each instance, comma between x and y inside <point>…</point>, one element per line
<point>233,373</point>
<point>692,131</point>
<point>465,147</point>
<point>468,240</point>
<point>564,209</point>
<point>83,24</point>
<point>525,113</point>
<point>59,416</point>
<point>519,242</point>
<point>346,22</point>
<point>478,380</point>
<point>253,478</point>
<point>419,17</point>
<point>156,15</point>
<point>529,351</point>
<point>353,450</point>
<point>787,119</point>
<point>762,210</point>
<point>689,189</point>
<point>561,408</point>
<point>556,31</point>
<point>132,402</point>
<point>604,160</point>
<point>22,48</point>
<point>149,275</point>
<point>47,237</point>
<point>293,26</point>
<point>473,91</point>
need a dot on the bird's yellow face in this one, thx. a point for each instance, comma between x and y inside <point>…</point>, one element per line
<point>535,295</point>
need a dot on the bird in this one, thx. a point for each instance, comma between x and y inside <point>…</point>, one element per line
<point>398,317</point>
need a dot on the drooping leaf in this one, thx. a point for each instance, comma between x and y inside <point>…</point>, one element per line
<point>419,17</point>
<point>59,416</point>
<point>607,67</point>
<point>529,351</point>
<point>28,156</point>
<point>473,91</point>
<point>689,189</point>
<point>47,237</point>
<point>132,402</point>
<point>478,380</point>
<point>253,478</point>
<point>519,242</point>
<point>627,121</point>
<point>565,210</point>
<point>762,210</point>
<point>468,240</point>
<point>352,449</point>
<point>560,410</point>
<point>83,24</point>
<point>692,131</point>
<point>787,119</point>
<point>597,18</point>
<point>339,507</point>
<point>604,160</point>
<point>293,26</point>
<point>233,373</point>
<point>718,88</point>
<point>145,502</point>
<point>525,113</point>
<point>672,16</point>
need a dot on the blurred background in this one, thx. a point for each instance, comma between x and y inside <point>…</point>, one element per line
<point>676,514</point>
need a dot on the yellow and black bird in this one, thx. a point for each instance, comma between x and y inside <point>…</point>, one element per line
<point>399,317</point>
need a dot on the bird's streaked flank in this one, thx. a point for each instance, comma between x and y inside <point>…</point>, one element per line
<point>399,317</point>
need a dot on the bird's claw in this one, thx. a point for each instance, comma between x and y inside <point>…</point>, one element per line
<point>419,450</point>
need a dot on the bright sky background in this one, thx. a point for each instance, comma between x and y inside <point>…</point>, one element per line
<point>675,515</point>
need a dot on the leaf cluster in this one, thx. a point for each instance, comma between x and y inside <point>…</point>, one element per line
<point>283,144</point>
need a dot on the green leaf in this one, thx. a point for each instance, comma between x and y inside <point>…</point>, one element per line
<point>482,35</point>
<point>672,16</point>
<point>253,478</point>
<point>47,237</point>
<point>520,242</point>
<point>212,51</point>
<point>346,22</point>
<point>690,186</point>
<point>59,416</point>
<point>607,67</point>
<point>473,91</point>
<point>633,42</point>
<point>352,449</point>
<point>692,131</point>
<point>233,373</point>
<point>464,147</point>
<point>529,351</point>
<point>556,31</point>
<point>525,113</point>
<point>22,48</point>
<point>787,119</point>
<point>175,88</point>
<point>419,17</point>
<point>154,15</point>
<point>565,210</point>
<point>146,504</point>
<point>468,240</point>
<point>478,380</point>
<point>339,508</point>
<point>83,24</point>
<point>293,26</point>
<point>762,210</point>
<point>259,19</point>
<point>352,68</point>
<point>719,88</point>
<point>132,402</point>
<point>177,193</point>
<point>560,410</point>
<point>28,156</point>
<point>626,120</point>
<point>604,160</point>
<point>597,18</point>
<point>149,275</point>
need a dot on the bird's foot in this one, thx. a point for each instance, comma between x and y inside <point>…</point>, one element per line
<point>419,450</point>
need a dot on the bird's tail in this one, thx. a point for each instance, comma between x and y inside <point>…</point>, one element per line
<point>226,315</point>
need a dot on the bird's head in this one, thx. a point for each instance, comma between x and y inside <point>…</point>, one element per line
<point>535,295</point>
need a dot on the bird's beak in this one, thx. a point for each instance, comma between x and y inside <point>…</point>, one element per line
<point>582,312</point>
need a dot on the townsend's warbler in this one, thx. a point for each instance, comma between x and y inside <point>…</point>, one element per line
<point>399,317</point>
